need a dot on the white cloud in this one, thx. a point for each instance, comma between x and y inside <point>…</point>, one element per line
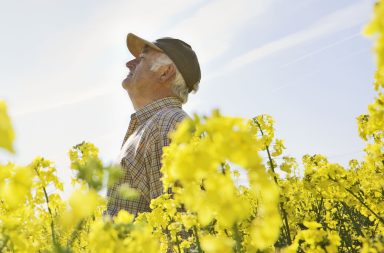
<point>72,66</point>
<point>350,16</point>
<point>322,49</point>
<point>69,61</point>
<point>212,28</point>
<point>91,94</point>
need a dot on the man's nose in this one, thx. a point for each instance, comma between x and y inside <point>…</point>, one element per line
<point>132,63</point>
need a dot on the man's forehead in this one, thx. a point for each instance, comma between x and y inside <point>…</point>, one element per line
<point>146,49</point>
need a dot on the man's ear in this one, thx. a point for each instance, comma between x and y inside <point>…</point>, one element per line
<point>167,73</point>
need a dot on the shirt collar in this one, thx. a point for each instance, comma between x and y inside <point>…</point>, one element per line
<point>150,109</point>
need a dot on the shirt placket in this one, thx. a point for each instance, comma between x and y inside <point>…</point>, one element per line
<point>131,128</point>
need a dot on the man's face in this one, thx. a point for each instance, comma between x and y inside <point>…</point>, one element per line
<point>140,77</point>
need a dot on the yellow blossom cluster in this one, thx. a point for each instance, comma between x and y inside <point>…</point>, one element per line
<point>322,208</point>
<point>6,129</point>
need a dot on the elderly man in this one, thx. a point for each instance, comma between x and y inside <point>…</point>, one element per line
<point>160,78</point>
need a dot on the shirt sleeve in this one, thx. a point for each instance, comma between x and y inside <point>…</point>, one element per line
<point>166,124</point>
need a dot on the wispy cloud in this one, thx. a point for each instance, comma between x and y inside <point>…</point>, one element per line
<point>322,49</point>
<point>80,61</point>
<point>213,28</point>
<point>69,58</point>
<point>350,16</point>
<point>92,94</point>
<point>296,81</point>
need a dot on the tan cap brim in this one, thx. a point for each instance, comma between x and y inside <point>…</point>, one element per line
<point>136,44</point>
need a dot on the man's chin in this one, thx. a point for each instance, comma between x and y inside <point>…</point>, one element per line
<point>125,83</point>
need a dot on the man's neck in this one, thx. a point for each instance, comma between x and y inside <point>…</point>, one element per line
<point>139,103</point>
<point>142,98</point>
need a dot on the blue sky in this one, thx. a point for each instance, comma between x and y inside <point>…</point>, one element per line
<point>304,62</point>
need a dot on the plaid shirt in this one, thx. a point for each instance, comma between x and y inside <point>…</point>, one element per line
<point>140,156</point>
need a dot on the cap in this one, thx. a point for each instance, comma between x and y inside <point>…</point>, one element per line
<point>177,50</point>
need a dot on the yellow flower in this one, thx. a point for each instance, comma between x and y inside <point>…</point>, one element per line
<point>124,217</point>
<point>7,134</point>
<point>82,203</point>
<point>312,224</point>
<point>15,190</point>
<point>217,244</point>
<point>126,192</point>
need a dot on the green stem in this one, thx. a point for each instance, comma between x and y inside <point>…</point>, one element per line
<point>5,243</point>
<point>170,220</point>
<point>178,244</point>
<point>74,233</point>
<point>285,217</point>
<point>362,202</point>
<point>50,213</point>
<point>352,217</point>
<point>284,213</point>
<point>237,237</point>
<point>366,206</point>
<point>197,240</point>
